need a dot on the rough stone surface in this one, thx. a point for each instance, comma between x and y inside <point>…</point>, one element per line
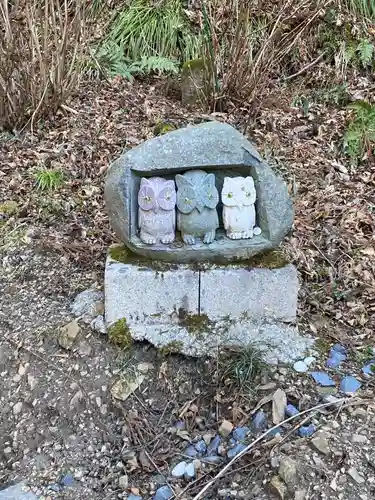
<point>258,294</point>
<point>147,298</point>
<point>17,492</point>
<point>88,304</point>
<point>178,309</point>
<point>212,146</point>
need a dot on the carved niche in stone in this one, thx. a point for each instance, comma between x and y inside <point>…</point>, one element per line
<point>197,199</point>
<point>156,213</point>
<point>238,196</point>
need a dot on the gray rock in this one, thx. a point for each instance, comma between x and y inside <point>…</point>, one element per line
<point>88,304</point>
<point>219,147</point>
<point>162,307</point>
<point>68,334</point>
<point>98,324</point>
<point>320,443</point>
<point>278,488</point>
<point>163,493</point>
<point>17,492</point>
<point>212,459</point>
<point>133,497</point>
<point>354,474</point>
<point>288,471</point>
<point>179,469</point>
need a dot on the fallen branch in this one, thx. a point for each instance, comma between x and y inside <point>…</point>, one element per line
<point>341,401</point>
<point>310,65</point>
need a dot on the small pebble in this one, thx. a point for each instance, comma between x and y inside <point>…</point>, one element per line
<point>123,482</point>
<point>339,348</point>
<point>323,379</point>
<point>291,410</point>
<point>307,430</point>
<point>354,474</point>
<point>309,360</point>
<point>200,446</point>
<point>225,428</point>
<point>134,497</point>
<point>163,493</point>
<point>191,451</point>
<point>236,450</point>
<point>359,438</point>
<point>214,445</point>
<point>240,433</point>
<point>259,421</point>
<point>369,369</point>
<point>189,471</point>
<point>349,385</point>
<point>300,367</point>
<point>67,480</point>
<point>179,469</point>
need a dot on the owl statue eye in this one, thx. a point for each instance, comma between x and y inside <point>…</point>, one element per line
<point>230,195</point>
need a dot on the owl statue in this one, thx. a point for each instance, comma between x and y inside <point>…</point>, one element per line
<point>197,198</point>
<point>238,196</point>
<point>157,214</point>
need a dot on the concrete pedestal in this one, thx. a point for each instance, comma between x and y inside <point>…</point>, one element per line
<point>196,311</point>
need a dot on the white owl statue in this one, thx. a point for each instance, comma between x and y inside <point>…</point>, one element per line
<point>238,196</point>
<point>157,213</point>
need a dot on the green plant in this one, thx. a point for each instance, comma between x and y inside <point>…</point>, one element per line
<point>242,367</point>
<point>359,53</point>
<point>41,42</point>
<point>49,179</point>
<point>109,60</point>
<point>360,135</point>
<point>337,94</point>
<point>365,8</point>
<point>145,30</point>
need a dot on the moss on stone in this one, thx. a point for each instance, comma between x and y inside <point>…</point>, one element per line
<point>122,254</point>
<point>119,253</point>
<point>274,259</point>
<point>119,334</point>
<point>162,128</point>
<point>194,65</point>
<point>198,325</point>
<point>175,346</point>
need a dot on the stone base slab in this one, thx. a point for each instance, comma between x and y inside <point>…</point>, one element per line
<point>194,312</point>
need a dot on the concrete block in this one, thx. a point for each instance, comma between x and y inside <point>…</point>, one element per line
<point>255,294</point>
<point>144,295</point>
<point>194,312</point>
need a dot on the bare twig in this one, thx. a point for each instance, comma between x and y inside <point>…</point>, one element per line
<point>315,61</point>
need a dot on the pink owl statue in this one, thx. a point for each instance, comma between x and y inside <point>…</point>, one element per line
<point>157,214</point>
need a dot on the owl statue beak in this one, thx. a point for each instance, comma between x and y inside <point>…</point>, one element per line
<point>200,207</point>
<point>155,209</point>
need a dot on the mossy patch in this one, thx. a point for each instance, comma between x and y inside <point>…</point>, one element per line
<point>122,254</point>
<point>162,128</point>
<point>9,208</point>
<point>198,325</point>
<point>274,259</point>
<point>173,347</point>
<point>194,65</point>
<point>119,334</point>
